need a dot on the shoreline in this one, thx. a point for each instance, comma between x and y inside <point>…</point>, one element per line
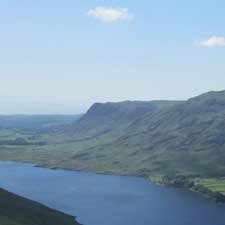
<point>179,182</point>
<point>191,184</point>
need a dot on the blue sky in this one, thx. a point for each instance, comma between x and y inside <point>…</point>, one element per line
<point>74,53</point>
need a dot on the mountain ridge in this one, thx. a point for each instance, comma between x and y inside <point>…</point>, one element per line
<point>170,140</point>
<point>136,138</point>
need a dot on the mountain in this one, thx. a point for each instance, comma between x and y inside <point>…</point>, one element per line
<point>134,138</point>
<point>15,210</point>
<point>104,118</point>
<point>184,138</point>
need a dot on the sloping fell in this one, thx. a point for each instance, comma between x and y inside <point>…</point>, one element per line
<point>186,138</point>
<point>112,118</point>
<point>15,210</point>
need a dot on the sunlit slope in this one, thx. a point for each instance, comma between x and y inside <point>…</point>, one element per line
<point>187,138</point>
<point>111,118</point>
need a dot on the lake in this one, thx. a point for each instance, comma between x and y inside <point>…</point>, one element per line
<point>109,200</point>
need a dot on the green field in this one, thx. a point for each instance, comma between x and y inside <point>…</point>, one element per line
<point>214,185</point>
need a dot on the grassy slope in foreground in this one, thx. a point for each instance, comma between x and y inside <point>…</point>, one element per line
<point>15,210</point>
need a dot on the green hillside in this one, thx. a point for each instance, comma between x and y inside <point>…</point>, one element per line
<point>15,210</point>
<point>186,138</point>
<point>111,118</point>
<point>59,147</point>
<point>150,139</point>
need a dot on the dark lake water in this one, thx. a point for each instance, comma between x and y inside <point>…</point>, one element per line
<point>109,200</point>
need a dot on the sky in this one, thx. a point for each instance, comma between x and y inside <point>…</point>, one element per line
<point>62,56</point>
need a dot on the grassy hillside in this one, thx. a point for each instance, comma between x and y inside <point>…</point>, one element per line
<point>186,138</point>
<point>111,118</point>
<point>15,210</point>
<point>67,144</point>
<point>156,138</point>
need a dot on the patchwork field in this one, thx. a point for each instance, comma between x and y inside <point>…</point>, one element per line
<point>214,185</point>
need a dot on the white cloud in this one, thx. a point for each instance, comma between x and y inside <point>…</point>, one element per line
<point>110,15</point>
<point>213,41</point>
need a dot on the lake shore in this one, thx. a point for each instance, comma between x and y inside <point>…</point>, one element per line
<point>182,182</point>
<point>206,187</point>
<point>89,196</point>
<point>198,185</point>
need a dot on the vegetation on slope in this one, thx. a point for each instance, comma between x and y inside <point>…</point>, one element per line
<point>66,145</point>
<point>15,210</point>
<point>150,139</point>
<point>111,118</point>
<point>187,138</point>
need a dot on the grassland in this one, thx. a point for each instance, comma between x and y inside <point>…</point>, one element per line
<point>214,185</point>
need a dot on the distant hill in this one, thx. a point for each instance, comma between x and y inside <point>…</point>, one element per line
<point>15,210</point>
<point>35,122</point>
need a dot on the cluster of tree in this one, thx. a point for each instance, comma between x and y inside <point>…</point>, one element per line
<point>178,181</point>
